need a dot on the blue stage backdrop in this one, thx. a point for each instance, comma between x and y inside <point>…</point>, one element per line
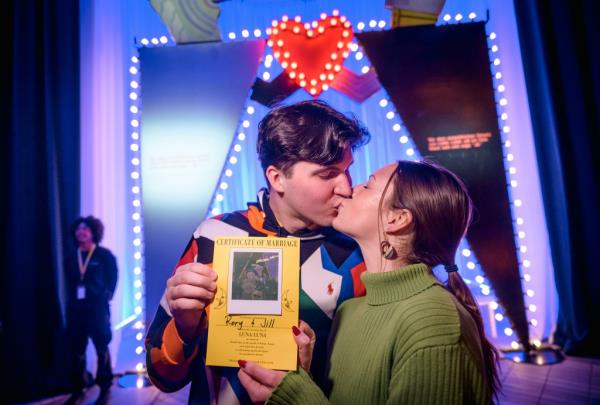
<point>193,97</point>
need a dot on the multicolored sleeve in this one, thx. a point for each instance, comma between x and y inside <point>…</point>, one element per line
<point>168,358</point>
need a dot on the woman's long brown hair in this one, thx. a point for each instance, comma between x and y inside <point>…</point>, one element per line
<point>441,210</point>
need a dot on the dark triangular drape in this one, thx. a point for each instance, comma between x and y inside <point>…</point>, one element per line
<point>561,56</point>
<point>40,173</point>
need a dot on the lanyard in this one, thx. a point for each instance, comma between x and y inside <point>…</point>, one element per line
<point>83,266</point>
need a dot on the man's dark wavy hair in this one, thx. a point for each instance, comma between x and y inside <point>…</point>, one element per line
<point>95,225</point>
<point>309,131</point>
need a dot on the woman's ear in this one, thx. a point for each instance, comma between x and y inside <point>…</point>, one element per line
<point>276,178</point>
<point>396,221</point>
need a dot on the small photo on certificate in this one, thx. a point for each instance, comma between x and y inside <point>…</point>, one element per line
<point>254,281</point>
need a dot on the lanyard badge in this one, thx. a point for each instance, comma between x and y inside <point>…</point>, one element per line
<point>82,269</point>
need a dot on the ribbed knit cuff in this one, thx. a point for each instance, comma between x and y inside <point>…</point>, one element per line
<point>297,388</point>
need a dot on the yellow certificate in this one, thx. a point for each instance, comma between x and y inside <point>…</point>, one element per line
<point>256,303</point>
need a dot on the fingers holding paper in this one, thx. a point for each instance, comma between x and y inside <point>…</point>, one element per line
<point>189,291</point>
<point>305,338</point>
<point>259,381</point>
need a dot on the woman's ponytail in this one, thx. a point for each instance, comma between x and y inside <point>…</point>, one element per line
<point>457,286</point>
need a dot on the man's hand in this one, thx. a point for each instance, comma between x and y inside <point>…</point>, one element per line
<point>189,291</point>
<point>260,382</point>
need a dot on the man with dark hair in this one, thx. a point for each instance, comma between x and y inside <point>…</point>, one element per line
<point>91,278</point>
<point>305,150</point>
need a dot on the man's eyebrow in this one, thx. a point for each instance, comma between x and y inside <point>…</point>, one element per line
<point>326,169</point>
<point>371,177</point>
<point>331,168</point>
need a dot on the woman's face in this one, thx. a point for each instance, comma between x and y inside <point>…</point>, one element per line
<point>83,233</point>
<point>357,216</point>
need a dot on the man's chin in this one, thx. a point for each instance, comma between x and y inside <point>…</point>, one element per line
<point>324,222</point>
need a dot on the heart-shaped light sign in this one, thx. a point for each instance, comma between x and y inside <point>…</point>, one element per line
<point>312,54</point>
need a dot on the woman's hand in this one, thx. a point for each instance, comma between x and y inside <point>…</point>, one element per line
<point>305,339</point>
<point>260,382</point>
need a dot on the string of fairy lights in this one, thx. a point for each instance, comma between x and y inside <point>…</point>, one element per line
<point>513,191</point>
<point>136,208</point>
<point>473,274</point>
<point>232,161</point>
<point>136,221</point>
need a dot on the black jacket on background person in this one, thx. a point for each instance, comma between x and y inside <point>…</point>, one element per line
<point>100,279</point>
<point>90,317</point>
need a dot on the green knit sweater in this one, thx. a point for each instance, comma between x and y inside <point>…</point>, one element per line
<point>407,342</point>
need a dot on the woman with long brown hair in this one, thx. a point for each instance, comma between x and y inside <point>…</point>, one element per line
<point>410,339</point>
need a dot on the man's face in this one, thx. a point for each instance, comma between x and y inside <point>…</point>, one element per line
<point>83,233</point>
<point>312,192</point>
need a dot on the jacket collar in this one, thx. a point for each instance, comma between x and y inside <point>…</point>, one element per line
<point>272,225</point>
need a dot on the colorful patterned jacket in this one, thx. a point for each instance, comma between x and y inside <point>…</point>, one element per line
<point>330,268</point>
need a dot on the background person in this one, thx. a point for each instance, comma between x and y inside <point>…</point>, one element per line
<point>91,278</point>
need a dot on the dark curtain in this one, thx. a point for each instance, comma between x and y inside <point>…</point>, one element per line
<point>40,173</point>
<point>561,56</point>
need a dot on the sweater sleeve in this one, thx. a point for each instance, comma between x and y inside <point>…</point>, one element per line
<point>297,388</point>
<point>438,374</point>
<point>168,357</point>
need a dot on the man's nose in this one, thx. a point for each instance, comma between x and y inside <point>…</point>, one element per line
<point>344,186</point>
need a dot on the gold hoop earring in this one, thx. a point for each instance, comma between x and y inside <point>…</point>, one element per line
<point>387,251</point>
